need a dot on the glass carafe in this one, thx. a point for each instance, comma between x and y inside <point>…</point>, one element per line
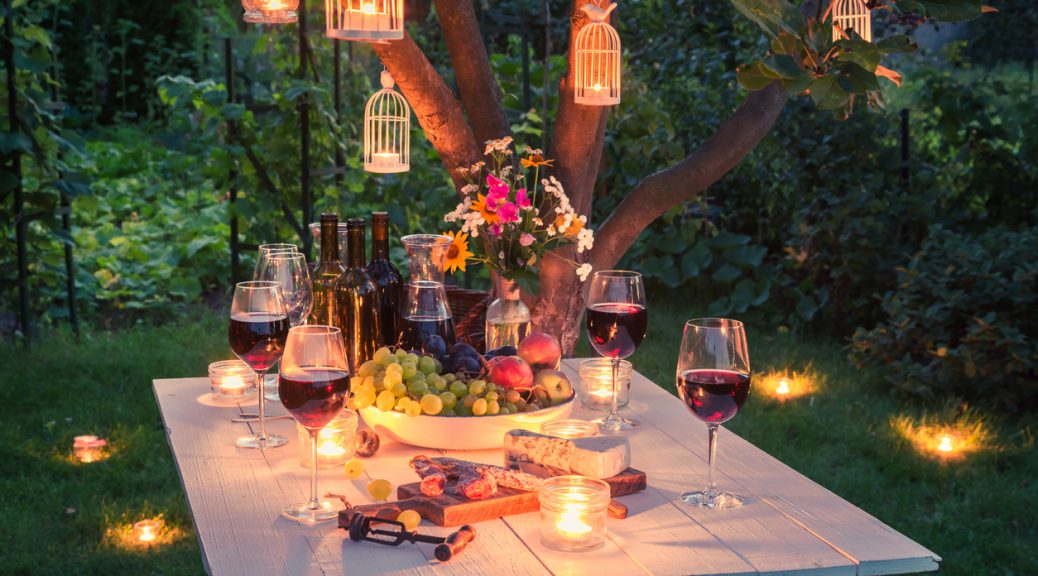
<point>426,312</point>
<point>508,319</point>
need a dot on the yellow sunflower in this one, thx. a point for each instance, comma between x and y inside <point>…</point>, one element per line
<point>480,205</point>
<point>457,252</point>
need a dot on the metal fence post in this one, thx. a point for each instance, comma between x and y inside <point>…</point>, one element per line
<point>232,175</point>
<point>21,230</point>
<point>304,133</point>
<point>906,175</point>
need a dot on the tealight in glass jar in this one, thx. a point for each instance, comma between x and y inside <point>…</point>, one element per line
<point>573,513</point>
<point>232,380</point>
<point>596,384</point>
<point>336,442</point>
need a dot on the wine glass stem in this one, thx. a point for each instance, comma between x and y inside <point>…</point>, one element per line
<point>314,504</point>
<point>261,379</point>
<point>711,488</point>
<point>614,413</point>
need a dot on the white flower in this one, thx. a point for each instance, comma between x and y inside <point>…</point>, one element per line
<point>551,230</point>
<point>534,151</point>
<point>583,270</point>
<point>501,255</point>
<point>499,145</point>
<point>585,240</point>
<point>469,189</point>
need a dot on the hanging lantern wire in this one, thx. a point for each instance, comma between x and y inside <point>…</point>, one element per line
<point>387,130</point>
<point>597,55</point>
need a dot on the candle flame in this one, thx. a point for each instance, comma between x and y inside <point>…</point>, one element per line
<point>367,7</point>
<point>274,5</point>
<point>233,382</point>
<point>571,524</point>
<point>330,448</point>
<point>147,535</point>
<point>783,387</point>
<point>945,444</point>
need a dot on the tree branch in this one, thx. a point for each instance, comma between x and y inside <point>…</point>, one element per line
<point>480,92</point>
<point>716,157</point>
<point>434,104</point>
<point>575,125</point>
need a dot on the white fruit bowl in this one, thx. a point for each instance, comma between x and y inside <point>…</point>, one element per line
<point>459,432</point>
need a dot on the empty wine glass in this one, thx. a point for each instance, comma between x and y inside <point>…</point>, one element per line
<point>616,323</point>
<point>257,332</point>
<point>713,380</point>
<point>314,383</point>
<point>265,249</point>
<point>289,270</point>
<point>265,253</point>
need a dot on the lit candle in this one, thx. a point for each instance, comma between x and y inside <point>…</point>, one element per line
<point>89,448</point>
<point>783,387</point>
<point>596,383</point>
<point>368,7</point>
<point>573,512</point>
<point>274,5</point>
<point>147,530</point>
<point>570,428</point>
<point>231,380</point>
<point>336,442</point>
<point>385,159</point>
<point>945,444</point>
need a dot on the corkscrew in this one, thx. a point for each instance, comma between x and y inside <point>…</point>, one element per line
<point>393,533</point>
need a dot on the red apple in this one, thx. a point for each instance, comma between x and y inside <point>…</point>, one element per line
<point>541,351</point>
<point>511,372</point>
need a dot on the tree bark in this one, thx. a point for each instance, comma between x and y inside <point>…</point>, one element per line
<point>437,108</point>
<point>480,92</point>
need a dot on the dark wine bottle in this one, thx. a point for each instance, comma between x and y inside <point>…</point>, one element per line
<point>388,282</point>
<point>357,298</point>
<point>325,311</point>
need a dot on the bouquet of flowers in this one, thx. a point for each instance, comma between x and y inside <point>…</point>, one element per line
<point>511,225</point>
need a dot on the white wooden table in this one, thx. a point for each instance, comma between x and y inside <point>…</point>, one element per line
<point>789,525</point>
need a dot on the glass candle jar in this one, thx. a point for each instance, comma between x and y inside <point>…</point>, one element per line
<point>596,384</point>
<point>232,380</point>
<point>569,428</point>
<point>89,448</point>
<point>573,513</point>
<point>146,531</point>
<point>336,442</point>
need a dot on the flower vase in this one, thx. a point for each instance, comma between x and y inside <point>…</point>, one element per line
<point>508,319</point>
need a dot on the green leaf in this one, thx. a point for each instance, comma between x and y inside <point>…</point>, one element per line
<point>862,53</point>
<point>198,243</point>
<point>727,273</point>
<point>746,256</point>
<point>827,93</point>
<point>771,15</point>
<point>754,76</point>
<point>696,259</point>
<point>952,10</point>
<point>896,44</point>
<point>725,240</point>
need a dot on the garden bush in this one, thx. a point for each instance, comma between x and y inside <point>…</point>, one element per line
<point>963,319</point>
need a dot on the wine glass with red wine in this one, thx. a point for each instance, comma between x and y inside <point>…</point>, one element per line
<point>257,331</point>
<point>713,381</point>
<point>616,322</point>
<point>313,384</point>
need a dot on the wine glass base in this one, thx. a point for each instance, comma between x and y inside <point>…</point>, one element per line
<point>715,501</point>
<point>254,441</point>
<point>304,514</point>
<point>616,424</point>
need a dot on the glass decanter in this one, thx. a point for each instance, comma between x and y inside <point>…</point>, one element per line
<point>426,311</point>
<point>508,319</point>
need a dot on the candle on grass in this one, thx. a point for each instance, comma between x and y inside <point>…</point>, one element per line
<point>147,531</point>
<point>89,448</point>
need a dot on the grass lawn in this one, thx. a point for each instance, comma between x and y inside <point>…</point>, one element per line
<point>980,514</point>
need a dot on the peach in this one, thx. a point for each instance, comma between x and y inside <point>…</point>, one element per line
<point>511,372</point>
<point>541,351</point>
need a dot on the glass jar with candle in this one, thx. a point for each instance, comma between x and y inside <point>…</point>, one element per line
<point>569,428</point>
<point>336,442</point>
<point>232,380</point>
<point>573,513</point>
<point>596,384</point>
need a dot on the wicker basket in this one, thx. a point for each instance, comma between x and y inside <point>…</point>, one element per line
<point>469,313</point>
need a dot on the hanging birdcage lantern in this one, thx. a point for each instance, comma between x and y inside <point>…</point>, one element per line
<point>365,20</point>
<point>596,80</point>
<point>387,130</point>
<point>852,15</point>
<point>270,11</point>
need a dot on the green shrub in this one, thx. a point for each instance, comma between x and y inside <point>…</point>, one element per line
<point>963,319</point>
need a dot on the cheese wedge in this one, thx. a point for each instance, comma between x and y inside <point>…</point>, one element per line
<point>597,457</point>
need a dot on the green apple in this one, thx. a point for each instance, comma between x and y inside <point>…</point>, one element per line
<point>556,384</point>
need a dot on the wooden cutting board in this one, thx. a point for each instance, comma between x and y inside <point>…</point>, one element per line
<point>449,509</point>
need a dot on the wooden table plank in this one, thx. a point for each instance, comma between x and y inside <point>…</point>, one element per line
<point>872,545</point>
<point>790,525</point>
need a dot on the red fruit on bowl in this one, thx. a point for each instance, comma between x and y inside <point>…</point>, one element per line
<point>511,372</point>
<point>541,351</point>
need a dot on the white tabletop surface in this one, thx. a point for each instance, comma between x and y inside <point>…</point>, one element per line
<point>789,525</point>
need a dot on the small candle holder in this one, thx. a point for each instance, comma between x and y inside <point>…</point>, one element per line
<point>146,531</point>
<point>596,384</point>
<point>573,513</point>
<point>570,428</point>
<point>232,381</point>
<point>89,449</point>
<point>336,442</point>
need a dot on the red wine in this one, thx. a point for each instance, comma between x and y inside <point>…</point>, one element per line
<point>616,330</point>
<point>314,395</point>
<point>416,328</point>
<point>713,396</point>
<point>258,339</point>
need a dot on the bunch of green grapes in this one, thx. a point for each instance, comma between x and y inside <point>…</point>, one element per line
<point>415,385</point>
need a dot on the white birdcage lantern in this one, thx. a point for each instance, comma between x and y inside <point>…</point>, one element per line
<point>596,80</point>
<point>366,20</point>
<point>270,11</point>
<point>852,15</point>
<point>387,130</point>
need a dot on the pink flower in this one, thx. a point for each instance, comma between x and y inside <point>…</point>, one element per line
<point>526,239</point>
<point>521,198</point>
<point>495,230</point>
<point>508,212</point>
<point>498,190</point>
